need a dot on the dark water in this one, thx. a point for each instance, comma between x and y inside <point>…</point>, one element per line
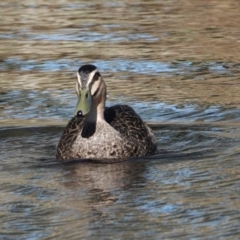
<point>189,189</point>
<point>163,58</point>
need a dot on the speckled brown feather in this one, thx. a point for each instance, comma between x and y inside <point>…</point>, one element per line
<point>136,138</point>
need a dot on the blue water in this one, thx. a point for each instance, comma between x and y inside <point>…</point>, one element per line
<point>140,66</point>
<point>60,104</point>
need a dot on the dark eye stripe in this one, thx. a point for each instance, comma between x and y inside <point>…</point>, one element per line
<point>96,91</point>
<point>96,76</point>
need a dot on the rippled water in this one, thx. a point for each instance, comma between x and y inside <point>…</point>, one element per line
<point>177,64</point>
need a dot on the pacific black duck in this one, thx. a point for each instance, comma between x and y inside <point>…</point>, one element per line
<point>99,132</point>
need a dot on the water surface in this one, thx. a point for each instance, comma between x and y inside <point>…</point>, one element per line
<point>176,64</point>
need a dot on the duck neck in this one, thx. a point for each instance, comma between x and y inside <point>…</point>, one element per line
<point>96,113</point>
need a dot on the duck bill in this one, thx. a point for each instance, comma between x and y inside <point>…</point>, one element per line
<point>84,102</point>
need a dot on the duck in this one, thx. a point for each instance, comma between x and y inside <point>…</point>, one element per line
<point>100,132</point>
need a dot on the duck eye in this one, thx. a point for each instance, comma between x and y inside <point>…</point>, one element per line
<point>96,76</point>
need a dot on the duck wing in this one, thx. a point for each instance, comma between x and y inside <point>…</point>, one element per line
<point>130,125</point>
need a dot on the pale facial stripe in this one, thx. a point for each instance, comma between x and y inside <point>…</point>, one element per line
<point>90,77</point>
<point>79,80</point>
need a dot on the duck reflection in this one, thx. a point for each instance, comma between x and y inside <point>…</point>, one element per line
<point>102,182</point>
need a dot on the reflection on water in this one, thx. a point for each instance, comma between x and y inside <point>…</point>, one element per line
<point>176,64</point>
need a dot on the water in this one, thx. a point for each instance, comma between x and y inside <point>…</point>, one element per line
<point>163,59</point>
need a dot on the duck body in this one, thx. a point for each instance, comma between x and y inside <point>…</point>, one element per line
<point>99,132</point>
<point>122,135</point>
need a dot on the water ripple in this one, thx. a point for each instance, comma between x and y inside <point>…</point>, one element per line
<point>25,104</point>
<point>87,36</point>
